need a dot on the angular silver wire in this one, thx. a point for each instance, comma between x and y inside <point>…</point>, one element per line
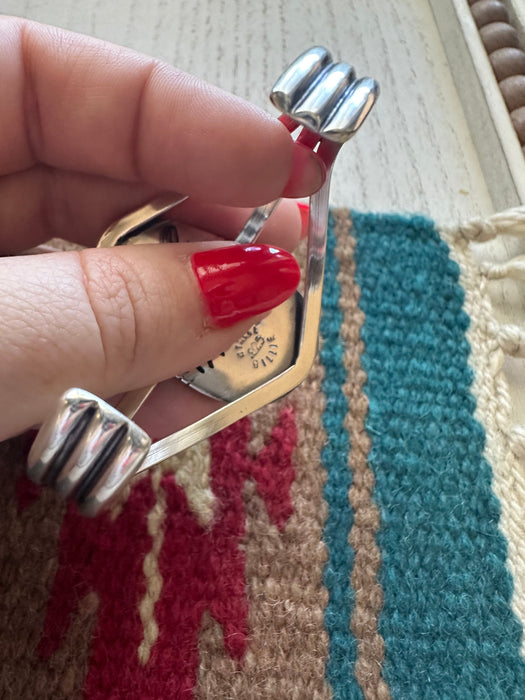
<point>122,234</point>
<point>327,99</point>
<point>290,378</point>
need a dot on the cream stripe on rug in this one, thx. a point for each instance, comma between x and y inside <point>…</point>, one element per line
<point>493,409</point>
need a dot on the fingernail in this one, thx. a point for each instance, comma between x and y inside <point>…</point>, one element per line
<point>239,282</point>
<point>308,173</point>
<point>304,211</point>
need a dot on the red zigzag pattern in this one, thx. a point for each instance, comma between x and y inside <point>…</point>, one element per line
<point>201,570</point>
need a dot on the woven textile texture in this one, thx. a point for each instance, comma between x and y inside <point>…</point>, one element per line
<point>360,538</point>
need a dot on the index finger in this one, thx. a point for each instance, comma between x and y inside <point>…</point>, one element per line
<point>81,104</point>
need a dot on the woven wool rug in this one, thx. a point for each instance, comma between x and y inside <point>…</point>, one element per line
<point>363,537</point>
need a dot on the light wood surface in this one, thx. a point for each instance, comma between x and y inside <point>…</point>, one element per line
<point>415,154</point>
<point>490,125</point>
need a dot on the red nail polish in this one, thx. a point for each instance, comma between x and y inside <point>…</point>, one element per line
<point>239,282</point>
<point>304,210</point>
<point>308,173</point>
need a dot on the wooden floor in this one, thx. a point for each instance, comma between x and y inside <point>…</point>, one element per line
<point>415,153</point>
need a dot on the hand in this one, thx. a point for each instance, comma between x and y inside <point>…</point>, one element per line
<point>91,131</point>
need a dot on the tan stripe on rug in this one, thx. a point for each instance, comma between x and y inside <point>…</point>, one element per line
<point>288,644</point>
<point>367,557</point>
<point>28,562</point>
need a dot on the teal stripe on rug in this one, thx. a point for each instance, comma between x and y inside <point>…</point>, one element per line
<point>448,627</point>
<point>342,647</point>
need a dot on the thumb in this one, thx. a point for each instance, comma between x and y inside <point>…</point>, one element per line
<point>111,320</point>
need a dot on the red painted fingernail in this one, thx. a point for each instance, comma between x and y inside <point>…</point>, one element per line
<point>308,173</point>
<point>304,210</point>
<point>239,282</point>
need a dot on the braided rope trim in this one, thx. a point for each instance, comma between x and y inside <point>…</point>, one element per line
<point>489,343</point>
<point>506,56</point>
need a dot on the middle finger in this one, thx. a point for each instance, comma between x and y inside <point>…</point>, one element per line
<point>43,203</point>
